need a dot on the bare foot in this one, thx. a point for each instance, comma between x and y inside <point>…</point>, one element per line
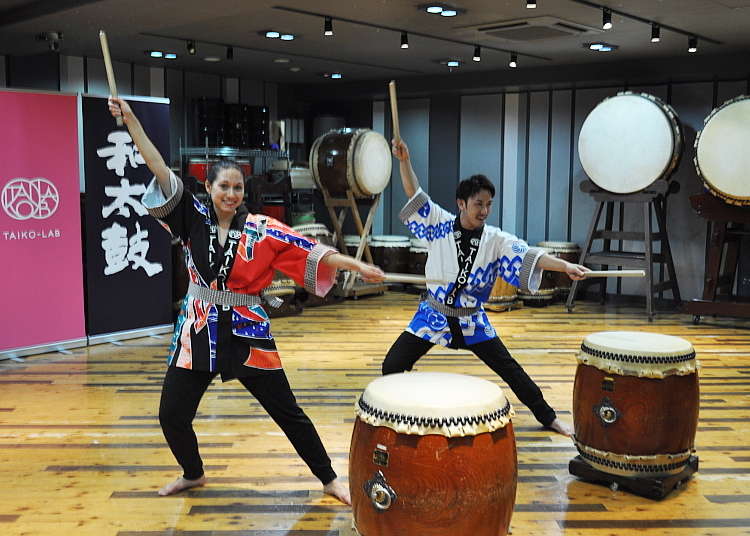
<point>561,427</point>
<point>335,488</point>
<point>181,484</point>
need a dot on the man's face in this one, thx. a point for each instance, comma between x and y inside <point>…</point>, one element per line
<point>475,210</point>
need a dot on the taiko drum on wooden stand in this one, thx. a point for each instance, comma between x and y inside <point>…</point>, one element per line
<point>432,454</point>
<point>635,406</point>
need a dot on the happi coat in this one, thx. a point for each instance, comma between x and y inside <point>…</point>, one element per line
<point>499,254</point>
<point>235,341</point>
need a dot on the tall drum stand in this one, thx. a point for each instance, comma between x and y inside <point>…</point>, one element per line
<point>726,228</point>
<point>351,287</point>
<point>653,198</point>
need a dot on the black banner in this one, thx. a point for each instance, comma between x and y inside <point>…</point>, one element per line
<point>127,253</point>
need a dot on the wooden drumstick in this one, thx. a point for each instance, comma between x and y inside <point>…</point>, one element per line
<point>110,71</point>
<point>394,110</point>
<point>615,273</point>
<point>391,277</point>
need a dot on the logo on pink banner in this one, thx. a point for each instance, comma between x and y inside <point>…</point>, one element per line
<point>40,222</point>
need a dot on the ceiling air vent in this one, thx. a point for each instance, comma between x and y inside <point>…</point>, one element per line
<point>526,30</point>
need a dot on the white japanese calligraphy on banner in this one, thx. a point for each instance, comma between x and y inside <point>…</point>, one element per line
<point>121,251</point>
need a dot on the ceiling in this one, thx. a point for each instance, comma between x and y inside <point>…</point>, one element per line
<point>366,43</point>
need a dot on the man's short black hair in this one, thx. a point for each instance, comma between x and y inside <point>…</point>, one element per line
<point>473,185</point>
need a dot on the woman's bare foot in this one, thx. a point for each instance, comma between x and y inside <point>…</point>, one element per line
<point>181,484</point>
<point>335,488</point>
<point>561,427</point>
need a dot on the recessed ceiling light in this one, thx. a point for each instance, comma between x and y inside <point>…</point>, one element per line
<point>440,8</point>
<point>295,69</point>
<point>271,34</point>
<point>155,53</point>
<point>433,9</point>
<point>336,76</point>
<point>212,59</point>
<point>448,13</point>
<point>453,63</point>
<point>281,60</point>
<point>287,37</point>
<point>170,56</point>
<point>601,46</point>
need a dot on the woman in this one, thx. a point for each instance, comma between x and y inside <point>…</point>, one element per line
<point>223,329</point>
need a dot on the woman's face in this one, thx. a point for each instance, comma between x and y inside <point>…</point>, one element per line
<point>226,191</point>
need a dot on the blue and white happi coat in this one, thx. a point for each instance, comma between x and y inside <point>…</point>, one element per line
<point>500,254</point>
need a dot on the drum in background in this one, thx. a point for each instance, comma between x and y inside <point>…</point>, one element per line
<point>391,252</point>
<point>546,293</point>
<point>417,260</point>
<point>316,231</point>
<point>567,251</point>
<point>352,243</point>
<point>635,403</point>
<point>347,159</point>
<point>629,141</point>
<point>432,454</point>
<point>722,158</point>
<point>503,296</point>
<point>283,288</point>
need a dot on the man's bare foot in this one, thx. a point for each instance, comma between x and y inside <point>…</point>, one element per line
<point>561,427</point>
<point>335,488</point>
<point>181,484</point>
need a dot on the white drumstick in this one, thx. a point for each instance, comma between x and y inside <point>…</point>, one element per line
<point>391,277</point>
<point>394,110</point>
<point>110,71</point>
<point>615,273</point>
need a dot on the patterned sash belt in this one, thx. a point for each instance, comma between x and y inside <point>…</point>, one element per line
<point>447,310</point>
<point>221,297</point>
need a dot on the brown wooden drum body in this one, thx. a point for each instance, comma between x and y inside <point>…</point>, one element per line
<point>348,159</point>
<point>636,411</point>
<point>502,297</point>
<point>432,454</point>
<point>391,252</point>
<point>567,251</point>
<point>546,293</point>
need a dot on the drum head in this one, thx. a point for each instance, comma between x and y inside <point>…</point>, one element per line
<point>372,162</point>
<point>424,403</point>
<point>636,353</point>
<point>722,156</point>
<point>626,143</point>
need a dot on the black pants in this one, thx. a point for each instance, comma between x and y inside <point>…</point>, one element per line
<point>183,390</point>
<point>408,348</point>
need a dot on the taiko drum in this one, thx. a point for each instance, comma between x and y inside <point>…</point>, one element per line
<point>432,454</point>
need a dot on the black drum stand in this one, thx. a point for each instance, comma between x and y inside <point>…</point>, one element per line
<point>727,226</point>
<point>653,200</point>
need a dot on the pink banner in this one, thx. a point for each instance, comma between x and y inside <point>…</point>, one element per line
<point>40,223</point>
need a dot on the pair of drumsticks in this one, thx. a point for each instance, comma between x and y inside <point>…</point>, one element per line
<point>389,277</point>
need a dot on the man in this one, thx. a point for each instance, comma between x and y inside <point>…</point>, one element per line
<point>464,258</point>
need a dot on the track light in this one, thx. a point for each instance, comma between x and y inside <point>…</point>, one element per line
<point>328,26</point>
<point>530,4</point>
<point>655,33</point>
<point>230,53</point>
<point>606,18</point>
<point>477,53</point>
<point>191,47</point>
<point>404,40</point>
<point>692,44</point>
<point>513,60</point>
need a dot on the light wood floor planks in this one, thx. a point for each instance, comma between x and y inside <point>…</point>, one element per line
<point>81,452</point>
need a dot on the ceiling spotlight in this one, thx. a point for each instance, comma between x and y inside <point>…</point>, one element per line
<point>212,59</point>
<point>287,37</point>
<point>191,47</point>
<point>477,53</point>
<point>448,13</point>
<point>453,63</point>
<point>295,69</point>
<point>170,56</point>
<point>337,76</point>
<point>230,53</point>
<point>435,9</point>
<point>328,26</point>
<point>513,60</point>
<point>655,33</point>
<point>404,40</point>
<point>155,53</point>
<point>272,34</point>
<point>692,44</point>
<point>601,47</point>
<point>531,4</point>
<point>281,60</point>
<point>606,18</point>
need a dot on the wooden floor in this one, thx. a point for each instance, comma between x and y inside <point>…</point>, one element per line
<point>81,452</point>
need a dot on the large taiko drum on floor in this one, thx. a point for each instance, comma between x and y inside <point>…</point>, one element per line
<point>567,251</point>
<point>629,141</point>
<point>432,454</point>
<point>391,252</point>
<point>635,403</point>
<point>317,231</point>
<point>348,159</point>
<point>722,158</point>
<point>503,296</point>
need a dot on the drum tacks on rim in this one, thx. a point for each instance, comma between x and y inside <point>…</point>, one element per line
<point>629,141</point>
<point>722,159</point>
